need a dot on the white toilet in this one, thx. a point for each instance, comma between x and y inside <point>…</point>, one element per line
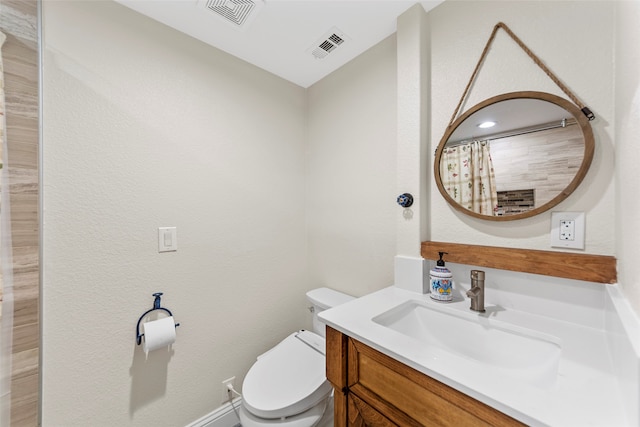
<point>287,386</point>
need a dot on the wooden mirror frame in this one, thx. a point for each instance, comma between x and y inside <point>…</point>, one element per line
<point>581,121</point>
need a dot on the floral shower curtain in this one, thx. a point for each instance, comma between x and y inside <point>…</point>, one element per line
<point>467,175</point>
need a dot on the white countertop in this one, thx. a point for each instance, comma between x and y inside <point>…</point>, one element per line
<point>585,393</point>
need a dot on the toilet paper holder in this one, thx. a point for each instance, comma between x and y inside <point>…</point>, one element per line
<point>156,306</point>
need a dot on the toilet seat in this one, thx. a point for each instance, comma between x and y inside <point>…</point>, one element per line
<point>288,379</point>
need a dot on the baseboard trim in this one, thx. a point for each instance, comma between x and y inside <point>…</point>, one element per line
<point>223,416</point>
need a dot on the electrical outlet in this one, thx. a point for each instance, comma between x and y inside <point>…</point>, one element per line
<point>227,396</point>
<point>567,230</point>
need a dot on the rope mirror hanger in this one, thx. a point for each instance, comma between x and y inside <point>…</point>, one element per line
<point>585,110</point>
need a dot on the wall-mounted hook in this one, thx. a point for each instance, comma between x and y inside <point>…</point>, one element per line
<point>405,200</point>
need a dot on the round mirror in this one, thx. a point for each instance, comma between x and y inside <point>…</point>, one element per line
<point>514,156</point>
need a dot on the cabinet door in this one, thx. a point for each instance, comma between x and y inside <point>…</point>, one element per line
<point>363,415</point>
<point>372,389</point>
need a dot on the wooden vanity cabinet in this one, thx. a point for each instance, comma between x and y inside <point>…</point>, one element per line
<point>372,389</point>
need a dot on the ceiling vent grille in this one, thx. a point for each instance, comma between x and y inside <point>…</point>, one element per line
<point>236,12</point>
<point>328,43</point>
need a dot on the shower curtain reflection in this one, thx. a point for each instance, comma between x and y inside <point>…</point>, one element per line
<point>468,177</point>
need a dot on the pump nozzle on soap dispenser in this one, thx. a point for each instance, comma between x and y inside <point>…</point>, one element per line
<point>441,281</point>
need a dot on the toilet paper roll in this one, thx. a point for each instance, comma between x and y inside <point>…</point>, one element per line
<point>159,333</point>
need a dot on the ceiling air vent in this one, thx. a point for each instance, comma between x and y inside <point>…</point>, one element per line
<point>328,43</point>
<point>236,12</point>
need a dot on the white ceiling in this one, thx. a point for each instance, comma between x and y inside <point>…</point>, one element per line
<point>279,34</point>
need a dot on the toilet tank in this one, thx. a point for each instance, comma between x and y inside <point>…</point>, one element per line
<point>322,299</point>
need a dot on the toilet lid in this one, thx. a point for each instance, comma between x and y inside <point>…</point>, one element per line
<point>288,379</point>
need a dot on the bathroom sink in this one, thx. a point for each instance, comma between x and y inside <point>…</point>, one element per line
<point>508,349</point>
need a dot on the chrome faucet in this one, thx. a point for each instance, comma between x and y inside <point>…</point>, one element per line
<point>476,293</point>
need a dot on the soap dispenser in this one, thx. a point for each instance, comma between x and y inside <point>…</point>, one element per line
<point>441,281</point>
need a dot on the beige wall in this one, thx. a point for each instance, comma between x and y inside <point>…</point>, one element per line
<point>627,128</point>
<point>131,164</point>
<point>581,42</point>
<point>145,127</point>
<point>575,40</point>
<point>351,170</point>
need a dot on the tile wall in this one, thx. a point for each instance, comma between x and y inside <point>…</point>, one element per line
<point>19,22</point>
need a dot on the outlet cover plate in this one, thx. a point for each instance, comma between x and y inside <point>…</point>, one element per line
<point>563,221</point>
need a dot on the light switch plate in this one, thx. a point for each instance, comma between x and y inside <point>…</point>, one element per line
<point>567,230</point>
<point>167,239</point>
